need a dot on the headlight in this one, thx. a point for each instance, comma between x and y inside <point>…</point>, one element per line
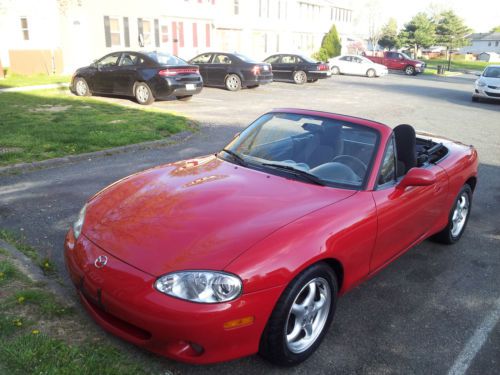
<point>200,286</point>
<point>481,83</point>
<point>78,224</point>
<point>418,65</point>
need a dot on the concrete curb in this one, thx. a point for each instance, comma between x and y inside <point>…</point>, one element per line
<point>35,273</point>
<point>32,88</point>
<point>24,167</point>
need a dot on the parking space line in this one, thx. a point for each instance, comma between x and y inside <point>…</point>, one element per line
<point>475,343</point>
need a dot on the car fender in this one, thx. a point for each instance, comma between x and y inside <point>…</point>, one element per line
<point>344,232</point>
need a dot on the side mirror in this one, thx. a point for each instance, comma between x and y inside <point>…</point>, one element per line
<point>417,177</point>
<point>478,74</point>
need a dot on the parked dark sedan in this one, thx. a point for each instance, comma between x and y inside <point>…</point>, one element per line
<point>299,68</point>
<point>146,76</point>
<point>232,70</point>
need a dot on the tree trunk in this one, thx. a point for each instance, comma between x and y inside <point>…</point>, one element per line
<point>1,70</point>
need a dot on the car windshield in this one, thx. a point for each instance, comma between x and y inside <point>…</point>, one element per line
<point>163,58</point>
<point>245,58</point>
<point>492,72</point>
<point>310,148</point>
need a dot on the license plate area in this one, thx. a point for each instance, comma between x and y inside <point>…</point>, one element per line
<point>190,87</point>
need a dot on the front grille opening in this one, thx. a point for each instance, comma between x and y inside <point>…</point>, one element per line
<point>122,325</point>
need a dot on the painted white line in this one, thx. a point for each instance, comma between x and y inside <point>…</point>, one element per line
<point>475,343</point>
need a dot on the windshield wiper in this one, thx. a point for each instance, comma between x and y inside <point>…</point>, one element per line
<point>237,157</point>
<point>298,172</point>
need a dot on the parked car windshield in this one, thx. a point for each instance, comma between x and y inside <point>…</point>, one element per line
<point>338,153</point>
<point>163,58</point>
<point>245,58</point>
<point>492,72</point>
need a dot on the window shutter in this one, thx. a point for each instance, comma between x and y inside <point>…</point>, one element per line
<point>181,34</point>
<point>107,31</point>
<point>139,26</point>
<point>157,33</point>
<point>126,32</point>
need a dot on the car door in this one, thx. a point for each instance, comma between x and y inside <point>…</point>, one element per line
<point>203,62</point>
<point>126,74</point>
<point>219,68</point>
<point>346,65</point>
<point>404,216</point>
<point>276,64</point>
<point>358,67</point>
<point>286,66</point>
<point>103,78</point>
<point>396,61</point>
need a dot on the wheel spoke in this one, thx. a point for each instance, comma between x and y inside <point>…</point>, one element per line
<point>319,304</point>
<point>297,329</point>
<point>311,294</point>
<point>299,311</point>
<point>308,329</point>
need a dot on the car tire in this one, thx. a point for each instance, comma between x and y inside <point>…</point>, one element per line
<point>410,70</point>
<point>233,82</point>
<point>300,77</point>
<point>143,94</point>
<point>301,317</point>
<point>184,98</point>
<point>81,87</point>
<point>475,99</point>
<point>370,73</point>
<point>312,80</point>
<point>458,217</point>
<point>335,70</point>
<point>253,86</point>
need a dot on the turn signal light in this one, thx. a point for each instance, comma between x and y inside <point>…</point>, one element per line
<point>237,323</point>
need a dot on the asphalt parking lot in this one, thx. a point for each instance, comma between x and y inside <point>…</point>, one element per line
<point>420,315</point>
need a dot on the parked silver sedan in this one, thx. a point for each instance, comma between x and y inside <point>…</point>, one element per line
<point>488,84</point>
<point>357,65</point>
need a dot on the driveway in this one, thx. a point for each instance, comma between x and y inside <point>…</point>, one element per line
<point>420,315</point>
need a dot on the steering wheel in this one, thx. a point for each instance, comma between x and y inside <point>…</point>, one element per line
<point>357,165</point>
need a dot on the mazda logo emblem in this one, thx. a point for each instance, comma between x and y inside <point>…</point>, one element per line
<point>101,261</point>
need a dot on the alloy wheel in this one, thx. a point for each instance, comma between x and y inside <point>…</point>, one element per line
<point>142,94</point>
<point>460,214</point>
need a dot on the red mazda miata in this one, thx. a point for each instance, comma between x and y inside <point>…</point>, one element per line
<point>248,250</point>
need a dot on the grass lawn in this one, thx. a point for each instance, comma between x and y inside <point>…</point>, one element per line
<point>16,80</point>
<point>459,64</point>
<point>41,334</point>
<point>45,124</point>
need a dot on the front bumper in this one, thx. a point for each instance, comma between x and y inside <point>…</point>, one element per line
<point>123,300</point>
<point>420,69</point>
<point>487,92</point>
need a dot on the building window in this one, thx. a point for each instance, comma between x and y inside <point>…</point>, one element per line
<point>496,43</point>
<point>489,44</point>
<point>146,32</point>
<point>195,35</point>
<point>114,31</point>
<point>164,34</point>
<point>207,35</point>
<point>236,7</point>
<point>24,28</point>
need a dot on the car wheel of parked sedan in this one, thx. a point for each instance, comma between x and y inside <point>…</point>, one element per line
<point>81,87</point>
<point>301,317</point>
<point>458,218</point>
<point>233,82</point>
<point>335,70</point>
<point>370,73</point>
<point>253,86</point>
<point>410,70</point>
<point>475,99</point>
<point>143,94</point>
<point>300,77</point>
<point>185,98</point>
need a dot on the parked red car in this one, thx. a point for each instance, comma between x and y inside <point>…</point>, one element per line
<point>399,61</point>
<point>247,251</point>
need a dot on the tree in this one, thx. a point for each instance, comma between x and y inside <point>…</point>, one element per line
<point>389,35</point>
<point>374,14</point>
<point>419,32</point>
<point>451,30</point>
<point>496,29</point>
<point>330,46</point>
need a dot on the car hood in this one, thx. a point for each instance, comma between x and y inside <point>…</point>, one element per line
<point>196,214</point>
<point>491,81</point>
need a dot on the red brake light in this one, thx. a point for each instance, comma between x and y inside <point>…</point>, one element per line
<point>256,70</point>
<point>170,72</point>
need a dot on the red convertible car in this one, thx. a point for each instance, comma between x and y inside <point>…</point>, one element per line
<point>248,250</point>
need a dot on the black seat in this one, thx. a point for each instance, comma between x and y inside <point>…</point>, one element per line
<point>331,145</point>
<point>406,148</point>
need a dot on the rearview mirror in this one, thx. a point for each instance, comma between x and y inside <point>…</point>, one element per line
<point>417,177</point>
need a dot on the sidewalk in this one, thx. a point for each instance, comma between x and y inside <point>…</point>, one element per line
<point>31,88</point>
